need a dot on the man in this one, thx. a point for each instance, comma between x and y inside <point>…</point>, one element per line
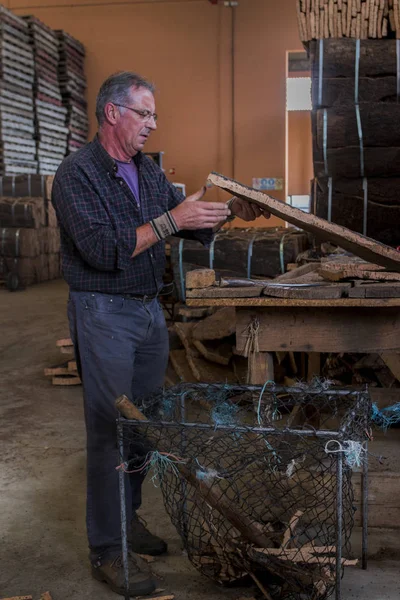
<point>115,207</point>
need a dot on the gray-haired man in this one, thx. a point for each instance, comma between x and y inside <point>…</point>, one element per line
<point>115,207</point>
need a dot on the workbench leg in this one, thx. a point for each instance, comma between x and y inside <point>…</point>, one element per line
<point>261,368</point>
<point>314,365</point>
<point>313,370</point>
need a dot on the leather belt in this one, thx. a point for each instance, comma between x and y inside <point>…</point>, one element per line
<point>141,297</point>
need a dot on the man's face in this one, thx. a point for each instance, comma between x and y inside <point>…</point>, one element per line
<point>132,129</point>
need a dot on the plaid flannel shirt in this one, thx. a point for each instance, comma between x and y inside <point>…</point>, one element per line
<point>98,217</point>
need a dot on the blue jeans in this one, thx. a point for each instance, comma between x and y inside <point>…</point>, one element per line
<point>121,347</point>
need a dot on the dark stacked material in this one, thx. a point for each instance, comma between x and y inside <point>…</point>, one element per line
<point>356,143</point>
<point>29,236</point>
<point>50,114</point>
<point>253,253</point>
<point>18,152</point>
<point>72,80</point>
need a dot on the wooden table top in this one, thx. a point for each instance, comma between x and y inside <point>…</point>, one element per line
<point>263,302</point>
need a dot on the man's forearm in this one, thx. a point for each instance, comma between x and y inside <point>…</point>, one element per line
<point>145,238</point>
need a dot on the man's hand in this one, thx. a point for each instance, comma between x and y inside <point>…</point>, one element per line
<point>247,210</point>
<point>193,213</point>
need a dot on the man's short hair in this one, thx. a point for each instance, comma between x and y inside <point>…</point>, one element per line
<point>116,88</point>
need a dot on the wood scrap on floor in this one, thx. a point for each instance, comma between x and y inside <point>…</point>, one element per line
<point>44,596</point>
<point>168,597</point>
<point>66,373</point>
<point>147,558</point>
<point>18,598</point>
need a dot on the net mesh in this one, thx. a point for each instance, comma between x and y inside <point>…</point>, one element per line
<point>249,477</point>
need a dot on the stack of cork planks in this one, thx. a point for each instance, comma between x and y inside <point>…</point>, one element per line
<point>361,19</point>
<point>65,373</point>
<point>334,278</point>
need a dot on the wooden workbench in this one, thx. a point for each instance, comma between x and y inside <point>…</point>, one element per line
<point>343,325</point>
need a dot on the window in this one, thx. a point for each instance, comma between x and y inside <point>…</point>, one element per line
<point>298,93</point>
<point>301,202</point>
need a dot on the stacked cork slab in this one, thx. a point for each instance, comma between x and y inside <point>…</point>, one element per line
<point>17,144</point>
<point>360,19</point>
<point>73,86</point>
<point>50,114</point>
<point>29,233</point>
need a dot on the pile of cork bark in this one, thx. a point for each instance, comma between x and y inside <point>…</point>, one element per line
<point>29,234</point>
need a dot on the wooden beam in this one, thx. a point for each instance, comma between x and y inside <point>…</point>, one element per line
<point>375,290</point>
<point>366,248</point>
<point>314,365</point>
<point>310,330</point>
<point>261,368</point>
<point>217,326</point>
<point>333,290</point>
<point>219,352</point>
<point>289,302</point>
<point>297,272</point>
<point>392,361</point>
<point>225,292</point>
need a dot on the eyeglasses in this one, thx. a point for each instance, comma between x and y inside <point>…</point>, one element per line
<point>145,114</point>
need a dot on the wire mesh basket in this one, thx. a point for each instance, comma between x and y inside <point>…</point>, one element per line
<point>257,481</point>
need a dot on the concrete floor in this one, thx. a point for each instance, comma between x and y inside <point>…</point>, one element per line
<point>42,477</point>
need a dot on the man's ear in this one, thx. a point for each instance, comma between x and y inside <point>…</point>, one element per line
<point>111,113</point>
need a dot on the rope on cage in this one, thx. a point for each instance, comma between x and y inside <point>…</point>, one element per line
<point>291,468</point>
<point>160,462</point>
<point>316,385</point>
<point>204,474</point>
<point>275,415</point>
<point>354,452</point>
<point>251,347</point>
<point>224,413</point>
<point>386,417</point>
<point>259,420</point>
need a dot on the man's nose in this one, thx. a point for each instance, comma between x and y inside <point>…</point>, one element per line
<point>151,123</point>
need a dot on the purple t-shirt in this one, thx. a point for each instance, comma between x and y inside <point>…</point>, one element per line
<point>129,172</point>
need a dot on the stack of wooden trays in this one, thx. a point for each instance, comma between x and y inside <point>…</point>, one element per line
<point>18,149</point>
<point>50,114</point>
<point>73,86</point>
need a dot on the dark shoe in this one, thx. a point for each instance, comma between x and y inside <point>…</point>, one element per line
<point>112,572</point>
<point>144,542</point>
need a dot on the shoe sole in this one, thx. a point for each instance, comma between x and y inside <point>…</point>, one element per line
<point>145,591</point>
<point>151,552</point>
